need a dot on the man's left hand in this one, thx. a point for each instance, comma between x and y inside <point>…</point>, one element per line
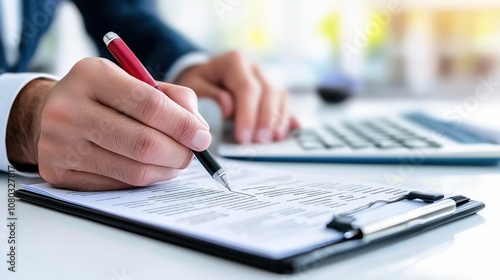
<point>259,109</point>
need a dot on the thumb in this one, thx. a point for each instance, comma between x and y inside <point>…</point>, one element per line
<point>206,89</point>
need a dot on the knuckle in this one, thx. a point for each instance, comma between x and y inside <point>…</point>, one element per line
<point>236,56</point>
<point>191,95</point>
<point>49,175</point>
<point>187,91</point>
<point>145,147</point>
<point>151,107</point>
<point>52,167</point>
<point>251,87</point>
<point>187,95</point>
<point>55,111</point>
<point>82,65</point>
<point>88,67</point>
<point>190,92</point>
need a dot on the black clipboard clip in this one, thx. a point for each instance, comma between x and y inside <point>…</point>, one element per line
<point>436,208</point>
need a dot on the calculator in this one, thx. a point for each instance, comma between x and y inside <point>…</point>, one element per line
<point>411,138</point>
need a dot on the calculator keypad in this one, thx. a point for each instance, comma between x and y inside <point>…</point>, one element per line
<point>382,134</point>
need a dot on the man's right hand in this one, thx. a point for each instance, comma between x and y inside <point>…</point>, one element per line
<point>100,128</point>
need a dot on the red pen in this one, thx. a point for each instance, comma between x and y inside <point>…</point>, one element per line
<point>127,59</point>
<point>132,65</point>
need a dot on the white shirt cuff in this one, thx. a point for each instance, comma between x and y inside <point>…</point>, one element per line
<point>11,84</point>
<point>184,62</point>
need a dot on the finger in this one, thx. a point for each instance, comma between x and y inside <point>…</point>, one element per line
<point>294,123</point>
<point>282,124</point>
<point>241,82</point>
<point>84,181</point>
<point>222,97</point>
<point>108,164</point>
<point>125,136</point>
<point>269,109</point>
<point>206,89</point>
<point>283,130</point>
<point>155,109</point>
<point>185,97</point>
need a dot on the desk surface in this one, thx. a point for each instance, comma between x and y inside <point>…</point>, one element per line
<point>53,245</point>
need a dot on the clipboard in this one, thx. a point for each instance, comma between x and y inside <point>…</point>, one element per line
<point>356,236</point>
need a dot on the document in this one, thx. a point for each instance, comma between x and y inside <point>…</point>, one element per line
<point>272,214</point>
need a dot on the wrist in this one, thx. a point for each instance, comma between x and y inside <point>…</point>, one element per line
<point>23,128</point>
<point>183,63</point>
<point>184,77</point>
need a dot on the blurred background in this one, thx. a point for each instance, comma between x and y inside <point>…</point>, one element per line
<point>377,47</point>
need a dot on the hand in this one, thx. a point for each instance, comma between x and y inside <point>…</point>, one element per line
<point>100,128</point>
<point>259,109</point>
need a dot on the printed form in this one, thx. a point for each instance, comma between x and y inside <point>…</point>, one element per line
<point>276,215</point>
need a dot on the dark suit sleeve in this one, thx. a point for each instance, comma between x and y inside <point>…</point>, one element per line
<point>136,22</point>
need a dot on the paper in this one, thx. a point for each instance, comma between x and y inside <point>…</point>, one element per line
<point>286,216</point>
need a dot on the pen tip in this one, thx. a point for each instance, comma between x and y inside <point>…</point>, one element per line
<point>222,179</point>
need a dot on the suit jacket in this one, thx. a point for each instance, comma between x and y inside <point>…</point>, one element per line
<point>154,43</point>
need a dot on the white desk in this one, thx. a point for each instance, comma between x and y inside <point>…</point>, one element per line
<point>53,245</point>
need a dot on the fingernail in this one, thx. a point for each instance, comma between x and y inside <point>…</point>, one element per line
<point>246,136</point>
<point>264,135</point>
<point>282,130</point>
<point>201,140</point>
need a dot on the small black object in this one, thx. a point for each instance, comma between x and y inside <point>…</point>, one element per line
<point>332,94</point>
<point>208,161</point>
<point>342,223</point>
<point>426,197</point>
<point>460,200</point>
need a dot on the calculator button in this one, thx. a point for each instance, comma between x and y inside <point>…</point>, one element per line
<point>387,144</point>
<point>332,142</point>
<point>308,138</point>
<point>311,145</point>
<point>417,143</point>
